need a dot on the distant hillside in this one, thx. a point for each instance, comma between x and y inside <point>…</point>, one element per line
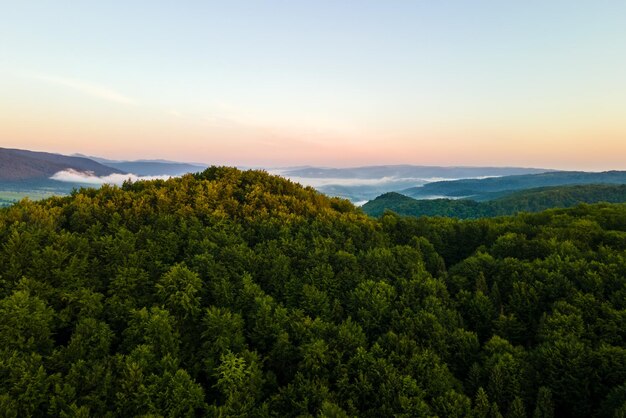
<point>150,167</point>
<point>490,188</point>
<point>404,205</point>
<point>407,171</point>
<point>532,200</point>
<point>19,165</point>
<point>360,184</point>
<point>28,174</point>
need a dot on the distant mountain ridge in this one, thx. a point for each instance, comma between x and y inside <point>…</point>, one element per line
<point>19,165</point>
<point>408,171</point>
<point>360,184</point>
<point>34,174</point>
<point>491,188</point>
<point>150,167</point>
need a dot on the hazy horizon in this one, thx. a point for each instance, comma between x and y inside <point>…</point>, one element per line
<point>166,159</point>
<point>333,84</point>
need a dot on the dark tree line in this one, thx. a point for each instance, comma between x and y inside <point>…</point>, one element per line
<point>231,293</point>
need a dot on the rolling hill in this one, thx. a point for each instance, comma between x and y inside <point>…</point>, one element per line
<point>532,200</point>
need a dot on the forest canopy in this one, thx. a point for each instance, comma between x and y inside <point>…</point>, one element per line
<point>237,293</point>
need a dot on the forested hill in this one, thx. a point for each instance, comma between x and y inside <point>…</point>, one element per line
<point>231,293</point>
<point>493,187</point>
<point>532,200</point>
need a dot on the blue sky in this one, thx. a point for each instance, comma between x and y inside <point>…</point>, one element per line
<point>319,82</point>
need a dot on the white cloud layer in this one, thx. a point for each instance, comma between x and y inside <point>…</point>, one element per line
<point>355,182</point>
<point>325,181</point>
<point>73,176</point>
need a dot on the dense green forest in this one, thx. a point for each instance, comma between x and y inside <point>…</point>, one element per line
<point>532,200</point>
<point>494,187</point>
<point>231,293</point>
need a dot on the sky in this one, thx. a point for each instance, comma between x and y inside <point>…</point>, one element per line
<point>333,83</point>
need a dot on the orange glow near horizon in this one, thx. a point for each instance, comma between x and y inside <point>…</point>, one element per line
<point>319,83</point>
<point>118,135</point>
<point>129,132</point>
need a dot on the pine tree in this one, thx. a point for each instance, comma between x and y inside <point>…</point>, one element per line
<point>496,299</point>
<point>481,284</point>
<point>497,385</point>
<point>545,407</point>
<point>474,377</point>
<point>494,412</point>
<point>517,410</point>
<point>481,404</point>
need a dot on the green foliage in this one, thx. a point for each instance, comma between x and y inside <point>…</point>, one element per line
<point>529,200</point>
<point>179,290</point>
<point>232,293</point>
<point>543,406</point>
<point>25,323</point>
<point>517,410</point>
<point>481,404</point>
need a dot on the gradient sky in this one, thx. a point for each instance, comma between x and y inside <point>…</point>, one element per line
<point>334,83</point>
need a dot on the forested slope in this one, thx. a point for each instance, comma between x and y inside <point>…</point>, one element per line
<point>493,187</point>
<point>531,200</point>
<point>232,293</point>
